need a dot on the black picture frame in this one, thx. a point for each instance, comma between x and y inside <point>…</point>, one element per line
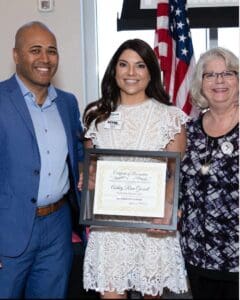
<point>87,216</point>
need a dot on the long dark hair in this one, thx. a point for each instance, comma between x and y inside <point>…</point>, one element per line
<point>100,110</point>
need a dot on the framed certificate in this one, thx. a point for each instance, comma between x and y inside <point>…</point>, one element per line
<point>128,188</point>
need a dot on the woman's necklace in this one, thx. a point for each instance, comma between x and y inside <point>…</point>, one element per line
<point>226,148</point>
<point>206,165</point>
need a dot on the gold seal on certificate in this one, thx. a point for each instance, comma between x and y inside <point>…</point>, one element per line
<point>128,188</point>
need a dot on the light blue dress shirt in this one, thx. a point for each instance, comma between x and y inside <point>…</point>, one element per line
<point>52,144</point>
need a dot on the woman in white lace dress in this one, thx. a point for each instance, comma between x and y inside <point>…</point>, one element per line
<point>118,260</point>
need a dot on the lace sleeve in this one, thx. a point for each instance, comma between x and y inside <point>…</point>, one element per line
<point>176,118</point>
<point>91,133</point>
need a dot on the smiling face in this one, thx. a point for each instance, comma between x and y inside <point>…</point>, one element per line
<point>36,57</point>
<point>132,77</point>
<point>220,91</point>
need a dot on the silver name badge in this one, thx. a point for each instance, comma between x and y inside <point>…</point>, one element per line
<point>114,121</point>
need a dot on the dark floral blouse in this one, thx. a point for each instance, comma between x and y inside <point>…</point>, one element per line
<point>209,223</point>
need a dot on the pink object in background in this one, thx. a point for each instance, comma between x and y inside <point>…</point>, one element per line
<point>75,238</point>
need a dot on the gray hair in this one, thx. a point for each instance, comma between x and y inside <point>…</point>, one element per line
<point>231,62</point>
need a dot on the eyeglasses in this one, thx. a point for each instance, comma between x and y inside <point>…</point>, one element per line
<point>211,76</point>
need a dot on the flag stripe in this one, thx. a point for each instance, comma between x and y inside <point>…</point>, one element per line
<point>173,47</point>
<point>180,73</point>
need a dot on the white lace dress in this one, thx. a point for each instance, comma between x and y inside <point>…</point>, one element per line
<point>123,259</point>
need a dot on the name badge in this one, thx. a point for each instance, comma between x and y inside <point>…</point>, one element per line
<point>114,121</point>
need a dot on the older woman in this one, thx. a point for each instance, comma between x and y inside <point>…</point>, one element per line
<point>209,179</point>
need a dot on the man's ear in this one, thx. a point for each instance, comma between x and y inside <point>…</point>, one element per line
<point>15,55</point>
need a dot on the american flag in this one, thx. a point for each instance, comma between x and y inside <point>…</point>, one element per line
<point>174,49</point>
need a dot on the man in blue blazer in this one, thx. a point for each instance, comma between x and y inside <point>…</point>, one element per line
<point>40,151</point>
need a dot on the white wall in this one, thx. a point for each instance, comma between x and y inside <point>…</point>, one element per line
<point>64,21</point>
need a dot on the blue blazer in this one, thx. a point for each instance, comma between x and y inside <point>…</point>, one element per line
<point>20,163</point>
